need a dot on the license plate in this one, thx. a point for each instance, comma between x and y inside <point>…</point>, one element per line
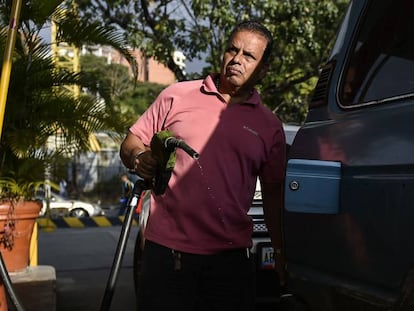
<point>267,258</point>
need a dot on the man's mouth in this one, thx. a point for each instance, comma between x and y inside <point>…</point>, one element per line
<point>232,71</point>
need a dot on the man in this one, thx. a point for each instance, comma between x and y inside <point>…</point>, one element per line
<point>198,232</point>
<point>62,188</point>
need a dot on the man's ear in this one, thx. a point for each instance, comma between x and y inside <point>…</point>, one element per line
<point>263,70</point>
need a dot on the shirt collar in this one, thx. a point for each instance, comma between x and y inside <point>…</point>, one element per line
<point>209,87</point>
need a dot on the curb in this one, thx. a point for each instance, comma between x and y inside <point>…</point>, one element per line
<point>49,224</point>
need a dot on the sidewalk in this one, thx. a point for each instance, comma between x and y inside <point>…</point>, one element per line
<point>74,267</point>
<point>35,288</point>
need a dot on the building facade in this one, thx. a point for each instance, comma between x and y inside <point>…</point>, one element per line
<point>149,69</point>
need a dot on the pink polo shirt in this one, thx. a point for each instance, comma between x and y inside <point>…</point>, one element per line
<point>204,209</point>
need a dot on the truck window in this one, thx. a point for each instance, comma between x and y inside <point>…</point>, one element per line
<point>381,65</point>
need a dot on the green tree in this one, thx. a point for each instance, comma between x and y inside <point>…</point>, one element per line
<point>109,80</point>
<point>303,31</point>
<point>136,100</point>
<point>114,84</point>
<point>38,106</point>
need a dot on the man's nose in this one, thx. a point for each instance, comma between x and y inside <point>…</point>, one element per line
<point>237,57</point>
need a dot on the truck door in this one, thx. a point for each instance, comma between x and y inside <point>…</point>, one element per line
<point>349,195</point>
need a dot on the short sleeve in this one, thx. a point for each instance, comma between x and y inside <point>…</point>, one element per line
<point>153,119</point>
<point>273,170</point>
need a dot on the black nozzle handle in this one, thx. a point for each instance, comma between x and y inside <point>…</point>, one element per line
<point>171,143</point>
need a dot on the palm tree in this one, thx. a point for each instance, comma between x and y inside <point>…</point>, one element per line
<point>38,105</point>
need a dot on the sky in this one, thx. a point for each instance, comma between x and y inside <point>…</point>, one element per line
<point>196,66</point>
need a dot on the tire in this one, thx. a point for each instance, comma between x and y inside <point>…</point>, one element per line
<point>293,303</point>
<point>78,212</point>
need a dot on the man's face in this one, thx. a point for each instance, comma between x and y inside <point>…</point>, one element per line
<point>242,59</point>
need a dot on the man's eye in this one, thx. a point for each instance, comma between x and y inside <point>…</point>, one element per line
<point>249,56</point>
<point>232,50</point>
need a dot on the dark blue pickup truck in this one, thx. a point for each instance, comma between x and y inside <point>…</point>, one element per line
<point>349,197</point>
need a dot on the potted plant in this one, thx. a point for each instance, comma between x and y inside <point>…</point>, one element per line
<point>18,213</point>
<point>42,106</point>
<point>46,121</point>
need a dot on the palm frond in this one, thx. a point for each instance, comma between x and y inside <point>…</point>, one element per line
<point>39,11</point>
<point>44,121</point>
<point>77,31</point>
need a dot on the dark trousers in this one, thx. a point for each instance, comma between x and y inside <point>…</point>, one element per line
<point>171,280</point>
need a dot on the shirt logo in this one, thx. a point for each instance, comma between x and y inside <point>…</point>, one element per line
<point>250,130</point>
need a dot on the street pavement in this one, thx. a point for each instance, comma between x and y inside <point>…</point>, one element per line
<point>83,259</point>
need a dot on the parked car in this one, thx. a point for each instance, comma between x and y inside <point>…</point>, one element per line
<point>59,206</point>
<point>350,177</point>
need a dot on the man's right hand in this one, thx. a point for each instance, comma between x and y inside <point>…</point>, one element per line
<point>145,165</point>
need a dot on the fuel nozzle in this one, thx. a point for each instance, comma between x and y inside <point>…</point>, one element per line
<point>171,143</point>
<point>163,146</point>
